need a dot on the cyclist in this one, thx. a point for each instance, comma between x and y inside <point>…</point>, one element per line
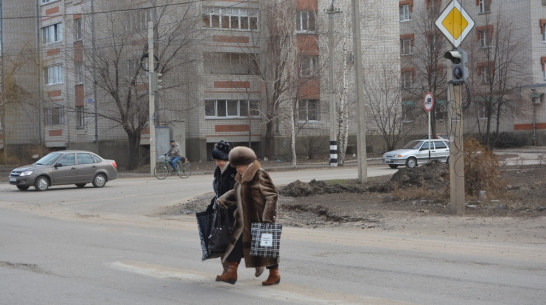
<point>176,154</point>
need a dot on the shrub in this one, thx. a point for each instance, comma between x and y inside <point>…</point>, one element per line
<point>509,140</point>
<point>481,169</point>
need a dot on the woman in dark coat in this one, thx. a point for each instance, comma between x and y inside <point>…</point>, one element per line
<point>255,197</point>
<point>224,180</point>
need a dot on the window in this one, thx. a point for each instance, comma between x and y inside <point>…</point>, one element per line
<point>48,1</point>
<point>406,46</point>
<point>407,111</point>
<point>231,108</point>
<point>78,29</point>
<point>308,65</point>
<point>305,21</point>
<point>54,75</point>
<point>308,110</point>
<point>482,110</point>
<point>67,160</point>
<point>485,6</point>
<point>484,39</point>
<point>84,158</point>
<point>80,117</point>
<point>230,18</point>
<point>137,20</point>
<point>440,145</point>
<point>52,33</point>
<point>440,111</point>
<point>484,72</point>
<point>543,29</point>
<point>405,12</point>
<point>78,72</point>
<point>229,63</point>
<point>407,79</point>
<point>54,115</point>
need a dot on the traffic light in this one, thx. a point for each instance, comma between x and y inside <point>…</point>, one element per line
<point>459,71</point>
<point>156,81</point>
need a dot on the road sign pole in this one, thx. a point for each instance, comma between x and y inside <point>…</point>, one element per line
<point>456,152</point>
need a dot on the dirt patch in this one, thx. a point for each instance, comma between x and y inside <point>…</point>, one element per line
<point>374,204</point>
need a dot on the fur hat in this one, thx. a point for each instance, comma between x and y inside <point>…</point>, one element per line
<point>221,151</point>
<point>241,155</point>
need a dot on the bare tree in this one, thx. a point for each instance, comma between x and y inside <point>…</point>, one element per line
<point>383,96</point>
<point>277,40</point>
<point>426,49</point>
<point>13,96</point>
<point>497,58</point>
<point>113,62</point>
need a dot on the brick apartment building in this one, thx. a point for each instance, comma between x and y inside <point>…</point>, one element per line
<point>213,85</point>
<point>509,31</point>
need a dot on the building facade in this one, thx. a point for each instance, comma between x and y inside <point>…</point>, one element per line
<point>222,76</point>
<point>505,61</point>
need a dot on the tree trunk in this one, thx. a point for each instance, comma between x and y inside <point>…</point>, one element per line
<point>134,151</point>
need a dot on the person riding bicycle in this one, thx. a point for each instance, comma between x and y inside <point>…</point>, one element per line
<point>176,154</point>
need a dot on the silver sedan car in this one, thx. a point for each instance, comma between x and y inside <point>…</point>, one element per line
<point>418,152</point>
<point>65,167</point>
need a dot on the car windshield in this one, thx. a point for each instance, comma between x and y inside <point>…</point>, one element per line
<point>413,145</point>
<point>48,159</point>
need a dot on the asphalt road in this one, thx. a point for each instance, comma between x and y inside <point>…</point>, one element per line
<point>98,246</point>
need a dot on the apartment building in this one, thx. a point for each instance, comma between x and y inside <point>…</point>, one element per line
<point>19,116</point>
<point>219,80</point>
<point>505,60</point>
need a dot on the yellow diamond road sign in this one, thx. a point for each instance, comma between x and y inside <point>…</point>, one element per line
<point>455,23</point>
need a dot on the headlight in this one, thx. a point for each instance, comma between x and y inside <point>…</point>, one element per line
<point>26,173</point>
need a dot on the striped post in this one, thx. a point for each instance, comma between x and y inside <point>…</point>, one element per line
<point>333,153</point>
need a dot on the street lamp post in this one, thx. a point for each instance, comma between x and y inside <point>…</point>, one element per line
<point>333,123</point>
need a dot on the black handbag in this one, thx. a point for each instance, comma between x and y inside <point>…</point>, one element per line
<point>218,239</point>
<point>205,221</point>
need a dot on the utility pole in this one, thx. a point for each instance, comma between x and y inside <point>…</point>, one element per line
<point>361,109</point>
<point>456,153</point>
<point>333,123</point>
<point>151,95</point>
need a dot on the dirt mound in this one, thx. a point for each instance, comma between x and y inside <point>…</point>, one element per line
<point>314,187</point>
<point>434,176</point>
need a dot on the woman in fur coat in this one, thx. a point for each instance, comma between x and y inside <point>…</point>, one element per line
<point>255,197</point>
<point>224,180</point>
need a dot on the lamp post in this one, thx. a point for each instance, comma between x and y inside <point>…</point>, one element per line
<point>331,45</point>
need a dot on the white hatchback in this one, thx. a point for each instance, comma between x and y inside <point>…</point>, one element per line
<point>417,152</point>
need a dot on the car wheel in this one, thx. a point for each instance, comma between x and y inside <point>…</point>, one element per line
<point>393,165</point>
<point>411,162</point>
<point>41,183</point>
<point>80,185</point>
<point>99,180</point>
<point>23,187</point>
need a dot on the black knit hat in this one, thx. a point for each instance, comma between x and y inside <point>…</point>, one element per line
<point>241,155</point>
<point>221,151</point>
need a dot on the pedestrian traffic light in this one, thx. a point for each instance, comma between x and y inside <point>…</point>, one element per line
<point>459,71</point>
<point>156,81</point>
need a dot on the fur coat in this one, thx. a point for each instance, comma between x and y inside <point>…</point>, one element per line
<point>256,198</point>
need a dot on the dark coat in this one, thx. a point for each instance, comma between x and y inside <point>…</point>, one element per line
<point>256,198</point>
<point>223,182</point>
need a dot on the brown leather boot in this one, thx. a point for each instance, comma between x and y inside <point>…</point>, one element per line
<point>231,275</point>
<point>274,277</point>
<point>225,265</point>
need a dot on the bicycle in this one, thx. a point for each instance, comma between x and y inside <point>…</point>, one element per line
<point>162,169</point>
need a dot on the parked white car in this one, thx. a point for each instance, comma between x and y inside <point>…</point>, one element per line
<point>417,152</point>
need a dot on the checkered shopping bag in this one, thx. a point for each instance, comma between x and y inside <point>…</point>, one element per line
<point>266,239</point>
